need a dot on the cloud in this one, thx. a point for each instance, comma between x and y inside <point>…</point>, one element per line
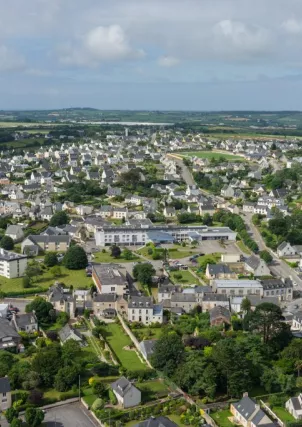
<point>99,45</point>
<point>238,39</point>
<point>38,72</point>
<point>168,61</point>
<point>10,60</point>
<point>292,26</point>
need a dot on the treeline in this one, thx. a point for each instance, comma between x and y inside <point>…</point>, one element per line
<point>214,184</point>
<point>236,223</point>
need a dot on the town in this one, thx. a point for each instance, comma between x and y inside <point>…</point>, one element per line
<point>152,276</point>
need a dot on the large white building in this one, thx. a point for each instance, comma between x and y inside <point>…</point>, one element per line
<point>142,310</point>
<point>238,287</point>
<point>140,235</point>
<point>12,265</point>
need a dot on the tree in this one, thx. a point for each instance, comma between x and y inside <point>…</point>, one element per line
<point>55,271</point>
<point>97,404</point>
<point>16,423</point>
<point>31,381</point>
<point>7,243</point>
<point>75,258</point>
<point>143,273</point>
<point>246,305</point>
<point>59,218</point>
<point>99,389</point>
<point>6,362</point>
<point>42,309</point>
<point>70,349</point>
<point>168,353</point>
<point>62,318</point>
<point>11,413</point>
<point>35,397</point>
<point>50,259</point>
<point>127,254</point>
<point>130,178</point>
<point>115,251</point>
<point>47,363</point>
<point>267,320</point>
<point>34,416</point>
<point>266,256</point>
<point>66,377</point>
<point>26,282</point>
<point>33,270</point>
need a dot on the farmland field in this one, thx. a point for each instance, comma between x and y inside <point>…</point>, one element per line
<point>212,155</point>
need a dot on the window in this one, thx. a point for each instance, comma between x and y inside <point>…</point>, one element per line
<point>112,288</point>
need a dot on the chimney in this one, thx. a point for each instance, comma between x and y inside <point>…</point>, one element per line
<point>245,394</point>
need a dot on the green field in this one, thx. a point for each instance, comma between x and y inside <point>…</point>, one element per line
<point>211,155</point>
<point>117,340</point>
<point>106,257</point>
<point>222,418</point>
<point>76,278</point>
<point>283,414</point>
<point>152,390</point>
<point>187,278</point>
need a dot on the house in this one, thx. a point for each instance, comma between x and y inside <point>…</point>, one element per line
<point>248,207</point>
<point>109,279</point>
<point>285,249</point>
<point>169,212</point>
<point>156,422</point>
<point>257,266</point>
<point>211,300</point>
<point>183,301</point>
<point>12,265</point>
<point>248,413</point>
<point>240,287</point>
<point>104,305</point>
<point>27,322</point>
<point>15,232</point>
<point>9,337</point>
<point>220,315</point>
<point>294,406</point>
<point>280,288</point>
<point>84,209</point>
<point>36,243</point>
<point>126,393</point>
<point>5,394</point>
<point>147,348</point>
<point>143,310</point>
<point>62,299</point>
<point>219,271</point>
<point>230,258</point>
<point>69,333</point>
<point>227,191</point>
<point>297,321</point>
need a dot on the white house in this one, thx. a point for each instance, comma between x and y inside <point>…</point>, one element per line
<point>84,209</point>
<point>15,232</point>
<point>126,393</point>
<point>143,310</point>
<point>294,406</point>
<point>257,266</point>
<point>285,249</point>
<point>12,265</point>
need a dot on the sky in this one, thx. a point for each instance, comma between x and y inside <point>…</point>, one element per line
<point>151,54</point>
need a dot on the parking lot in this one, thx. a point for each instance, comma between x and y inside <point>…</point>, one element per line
<point>72,415</point>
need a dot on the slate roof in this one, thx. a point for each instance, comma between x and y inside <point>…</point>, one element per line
<point>4,385</point>
<point>66,331</point>
<point>147,346</point>
<point>104,298</point>
<point>122,386</point>
<point>6,330</point>
<point>253,261</point>
<point>218,312</point>
<point>156,422</point>
<point>276,284</point>
<point>140,302</point>
<point>215,269</point>
<point>215,297</point>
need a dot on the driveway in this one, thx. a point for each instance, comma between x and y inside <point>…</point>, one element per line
<point>72,415</point>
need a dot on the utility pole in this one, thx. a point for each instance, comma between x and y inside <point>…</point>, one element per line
<point>79,388</point>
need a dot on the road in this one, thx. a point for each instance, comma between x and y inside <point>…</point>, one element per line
<point>279,267</point>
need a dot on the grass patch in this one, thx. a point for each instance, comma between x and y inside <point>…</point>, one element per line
<point>283,414</point>
<point>147,333</point>
<point>152,390</point>
<point>212,155</point>
<point>244,248</point>
<point>76,278</point>
<point>186,277</point>
<point>106,257</point>
<point>88,396</point>
<point>117,340</point>
<point>221,418</point>
<point>179,253</point>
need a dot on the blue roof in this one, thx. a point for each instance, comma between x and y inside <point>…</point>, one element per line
<point>160,236</point>
<point>157,309</point>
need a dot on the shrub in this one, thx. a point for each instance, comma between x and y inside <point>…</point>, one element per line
<point>112,398</point>
<point>97,404</point>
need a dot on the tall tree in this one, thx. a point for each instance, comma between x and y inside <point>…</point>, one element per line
<point>115,251</point>
<point>41,308</point>
<point>59,218</point>
<point>75,258</point>
<point>34,416</point>
<point>143,273</point>
<point>7,243</point>
<point>168,353</point>
<point>267,319</point>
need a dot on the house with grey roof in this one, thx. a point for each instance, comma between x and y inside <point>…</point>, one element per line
<point>156,422</point>
<point>220,315</point>
<point>69,333</point>
<point>5,394</point>
<point>26,322</point>
<point>126,393</point>
<point>142,309</point>
<point>285,249</point>
<point>9,337</point>
<point>183,301</point>
<point>248,413</point>
<point>211,300</point>
<point>280,288</point>
<point>62,299</point>
<point>219,271</point>
<point>15,232</point>
<point>37,243</point>
<point>257,266</point>
<point>147,348</point>
<point>294,406</point>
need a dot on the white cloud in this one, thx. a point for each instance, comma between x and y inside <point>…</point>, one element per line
<point>168,61</point>
<point>236,38</point>
<point>292,26</point>
<point>38,72</point>
<point>99,45</point>
<point>10,60</point>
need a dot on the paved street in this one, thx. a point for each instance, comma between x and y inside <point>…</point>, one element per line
<point>72,415</point>
<point>279,267</point>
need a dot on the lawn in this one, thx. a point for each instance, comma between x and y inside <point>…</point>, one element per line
<point>221,418</point>
<point>147,333</point>
<point>244,248</point>
<point>187,278</point>
<point>212,155</point>
<point>283,414</point>
<point>88,396</point>
<point>117,340</point>
<point>106,257</point>
<point>76,278</point>
<point>179,253</point>
<point>152,390</point>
